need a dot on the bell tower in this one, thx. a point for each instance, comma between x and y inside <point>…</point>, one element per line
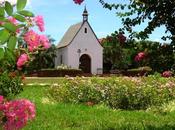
<point>85,15</point>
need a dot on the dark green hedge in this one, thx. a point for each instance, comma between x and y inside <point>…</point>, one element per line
<point>58,72</point>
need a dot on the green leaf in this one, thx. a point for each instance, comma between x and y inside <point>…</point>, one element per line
<point>26,13</point>
<point>2,12</point>
<point>9,54</point>
<point>8,8</point>
<point>1,53</point>
<point>19,18</point>
<point>2,19</point>
<point>12,43</point>
<point>11,27</point>
<point>21,4</point>
<point>21,25</point>
<point>4,36</point>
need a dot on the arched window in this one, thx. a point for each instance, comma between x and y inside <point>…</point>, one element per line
<point>85,30</point>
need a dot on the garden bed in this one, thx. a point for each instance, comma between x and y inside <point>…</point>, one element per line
<point>53,115</point>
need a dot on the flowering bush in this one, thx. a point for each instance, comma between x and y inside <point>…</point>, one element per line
<point>167,74</point>
<point>16,113</point>
<point>18,44</point>
<point>118,93</point>
<point>16,32</point>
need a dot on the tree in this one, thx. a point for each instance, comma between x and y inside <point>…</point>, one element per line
<point>115,55</point>
<point>157,12</point>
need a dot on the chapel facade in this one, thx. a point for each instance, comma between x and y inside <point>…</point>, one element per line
<point>80,48</point>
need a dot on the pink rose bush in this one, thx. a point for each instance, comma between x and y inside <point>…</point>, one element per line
<point>22,60</point>
<point>167,74</point>
<point>16,113</point>
<point>33,40</point>
<point>23,43</point>
<point>140,56</point>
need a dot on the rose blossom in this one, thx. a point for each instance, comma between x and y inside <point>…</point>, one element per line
<point>32,40</point>
<point>167,74</point>
<point>22,60</point>
<point>44,41</point>
<point>39,22</point>
<point>17,113</point>
<point>140,56</point>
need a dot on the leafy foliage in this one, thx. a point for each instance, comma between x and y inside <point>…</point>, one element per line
<point>117,93</point>
<point>123,55</point>
<point>114,53</point>
<point>10,84</point>
<point>135,12</point>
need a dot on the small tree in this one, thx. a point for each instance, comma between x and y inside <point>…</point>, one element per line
<point>115,55</point>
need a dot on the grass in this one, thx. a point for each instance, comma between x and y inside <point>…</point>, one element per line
<point>45,80</point>
<point>59,116</point>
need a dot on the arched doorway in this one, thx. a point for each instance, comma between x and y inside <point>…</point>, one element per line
<point>85,63</point>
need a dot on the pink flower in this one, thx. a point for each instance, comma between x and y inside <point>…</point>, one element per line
<point>22,61</point>
<point>167,74</point>
<point>44,41</point>
<point>78,1</point>
<point>1,23</point>
<point>1,99</point>
<point>140,56</point>
<point>17,113</point>
<point>32,40</point>
<point>13,20</point>
<point>39,22</point>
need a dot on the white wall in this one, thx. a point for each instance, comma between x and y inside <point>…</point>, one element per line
<point>64,53</point>
<point>88,44</point>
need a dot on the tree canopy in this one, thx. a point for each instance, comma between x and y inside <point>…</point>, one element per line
<point>156,12</point>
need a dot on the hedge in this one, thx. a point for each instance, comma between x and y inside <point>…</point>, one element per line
<point>117,93</point>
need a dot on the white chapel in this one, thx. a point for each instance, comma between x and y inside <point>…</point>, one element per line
<point>80,48</point>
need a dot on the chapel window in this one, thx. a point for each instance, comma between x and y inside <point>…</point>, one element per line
<point>85,30</point>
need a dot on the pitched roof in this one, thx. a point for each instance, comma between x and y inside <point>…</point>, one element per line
<point>69,35</point>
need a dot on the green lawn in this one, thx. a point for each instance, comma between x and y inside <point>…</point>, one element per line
<point>43,80</point>
<point>60,116</point>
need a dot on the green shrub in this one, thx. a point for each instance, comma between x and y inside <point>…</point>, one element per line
<point>117,93</point>
<point>58,72</point>
<point>10,85</point>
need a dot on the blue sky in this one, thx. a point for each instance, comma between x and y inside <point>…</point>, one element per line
<point>60,14</point>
